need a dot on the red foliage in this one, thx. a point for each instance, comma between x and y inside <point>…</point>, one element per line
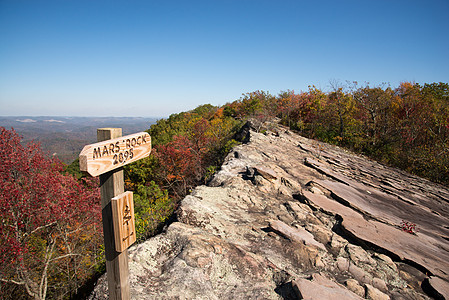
<point>409,227</point>
<point>184,159</point>
<point>41,210</point>
<point>176,158</point>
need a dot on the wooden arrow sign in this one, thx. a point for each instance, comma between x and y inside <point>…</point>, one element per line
<point>103,157</point>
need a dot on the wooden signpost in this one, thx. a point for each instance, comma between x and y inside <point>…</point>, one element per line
<point>106,159</point>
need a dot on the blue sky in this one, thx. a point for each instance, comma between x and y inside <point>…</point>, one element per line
<point>154,58</point>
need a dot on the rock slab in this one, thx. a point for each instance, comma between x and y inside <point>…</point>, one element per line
<point>291,218</point>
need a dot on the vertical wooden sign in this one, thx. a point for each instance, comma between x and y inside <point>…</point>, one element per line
<point>106,159</point>
<point>123,218</point>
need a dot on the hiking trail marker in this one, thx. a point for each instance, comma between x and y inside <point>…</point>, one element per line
<point>111,154</point>
<point>123,218</point>
<point>106,159</point>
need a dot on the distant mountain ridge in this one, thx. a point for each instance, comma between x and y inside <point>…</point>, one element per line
<point>66,136</point>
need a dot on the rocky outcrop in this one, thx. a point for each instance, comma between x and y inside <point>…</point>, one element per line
<point>291,218</point>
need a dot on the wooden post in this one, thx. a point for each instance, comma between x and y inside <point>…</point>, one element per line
<point>106,159</point>
<point>112,185</point>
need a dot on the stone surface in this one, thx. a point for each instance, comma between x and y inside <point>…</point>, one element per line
<point>299,235</point>
<point>438,287</point>
<point>354,286</point>
<point>372,293</point>
<point>320,233</point>
<point>380,284</point>
<point>359,274</point>
<point>283,207</point>
<point>343,264</point>
<point>387,261</point>
<point>423,250</point>
<point>358,255</point>
<point>321,288</point>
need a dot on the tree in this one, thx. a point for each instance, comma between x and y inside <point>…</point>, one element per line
<point>177,164</point>
<point>413,113</point>
<point>425,127</point>
<point>50,228</point>
<point>437,94</point>
<point>307,112</point>
<point>152,207</point>
<point>375,112</point>
<point>286,102</point>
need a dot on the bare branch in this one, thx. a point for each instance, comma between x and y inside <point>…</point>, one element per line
<point>64,256</point>
<point>42,227</point>
<point>12,281</point>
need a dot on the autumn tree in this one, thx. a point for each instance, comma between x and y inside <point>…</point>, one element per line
<point>423,121</point>
<point>286,102</point>
<point>374,103</point>
<point>259,104</point>
<point>340,111</point>
<point>307,113</point>
<point>437,95</point>
<point>50,229</point>
<point>184,159</point>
